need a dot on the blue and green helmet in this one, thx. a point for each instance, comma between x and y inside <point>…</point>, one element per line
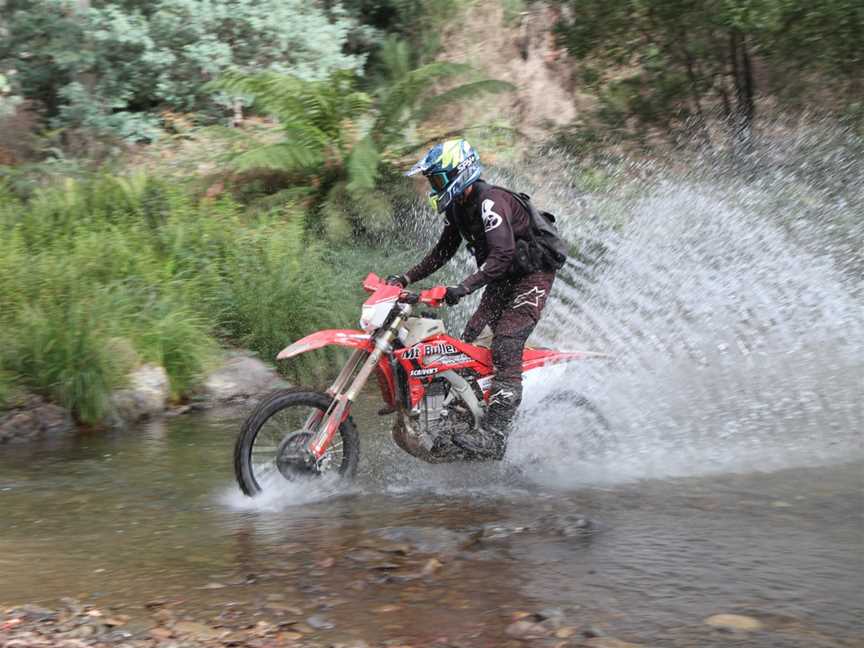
<point>451,167</point>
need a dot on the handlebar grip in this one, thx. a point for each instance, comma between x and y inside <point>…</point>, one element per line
<point>408,297</point>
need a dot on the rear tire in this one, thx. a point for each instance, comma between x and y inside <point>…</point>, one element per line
<point>592,428</point>
<point>276,418</point>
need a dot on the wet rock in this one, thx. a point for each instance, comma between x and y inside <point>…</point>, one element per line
<point>566,525</point>
<point>734,622</point>
<point>426,539</point>
<point>281,608</point>
<point>400,548</point>
<point>551,616</point>
<point>608,642</point>
<point>320,622</point>
<point>31,418</point>
<point>364,555</point>
<point>114,622</point>
<point>262,629</point>
<point>146,395</point>
<point>161,633</point>
<point>432,565</point>
<point>136,627</point>
<point>197,631</point>
<point>526,630</point>
<point>242,376</point>
<point>163,616</point>
<point>84,631</point>
<point>32,613</point>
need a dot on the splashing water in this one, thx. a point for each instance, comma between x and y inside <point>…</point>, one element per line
<point>731,300</point>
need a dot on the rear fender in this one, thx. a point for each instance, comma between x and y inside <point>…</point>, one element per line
<point>328,337</point>
<point>536,358</point>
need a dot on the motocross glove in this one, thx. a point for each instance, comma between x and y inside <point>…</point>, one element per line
<point>397,280</point>
<point>454,294</point>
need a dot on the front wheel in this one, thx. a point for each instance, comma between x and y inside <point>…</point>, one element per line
<point>271,444</point>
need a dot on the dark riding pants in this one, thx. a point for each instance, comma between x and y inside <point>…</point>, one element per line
<point>511,308</point>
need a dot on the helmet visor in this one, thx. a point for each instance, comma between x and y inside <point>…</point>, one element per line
<point>438,181</point>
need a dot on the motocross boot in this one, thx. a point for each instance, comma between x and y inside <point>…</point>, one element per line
<point>490,441</point>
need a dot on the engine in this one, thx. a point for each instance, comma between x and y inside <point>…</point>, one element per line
<point>439,410</point>
<point>427,432</point>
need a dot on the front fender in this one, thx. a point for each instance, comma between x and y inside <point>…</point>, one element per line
<point>337,337</point>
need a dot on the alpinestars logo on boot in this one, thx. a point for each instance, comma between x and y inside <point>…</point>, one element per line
<point>529,298</point>
<point>502,396</point>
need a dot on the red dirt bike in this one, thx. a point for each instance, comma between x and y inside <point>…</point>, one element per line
<point>435,384</point>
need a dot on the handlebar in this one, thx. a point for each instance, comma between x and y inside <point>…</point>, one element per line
<point>432,297</point>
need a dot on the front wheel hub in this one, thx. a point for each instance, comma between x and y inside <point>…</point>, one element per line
<point>293,459</point>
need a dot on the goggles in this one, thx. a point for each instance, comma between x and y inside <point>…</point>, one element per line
<point>438,181</point>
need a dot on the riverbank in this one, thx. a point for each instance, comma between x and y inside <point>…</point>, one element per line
<point>238,379</point>
<point>130,282</point>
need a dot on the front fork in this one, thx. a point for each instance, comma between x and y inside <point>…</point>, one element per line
<point>348,384</point>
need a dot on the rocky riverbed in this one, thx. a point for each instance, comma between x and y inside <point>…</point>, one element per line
<point>149,535</point>
<point>275,624</point>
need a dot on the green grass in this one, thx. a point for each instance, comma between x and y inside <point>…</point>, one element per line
<point>100,275</point>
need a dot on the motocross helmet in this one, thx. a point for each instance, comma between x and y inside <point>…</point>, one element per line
<point>451,167</point>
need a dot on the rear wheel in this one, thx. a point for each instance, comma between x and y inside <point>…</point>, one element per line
<point>574,412</point>
<point>271,447</point>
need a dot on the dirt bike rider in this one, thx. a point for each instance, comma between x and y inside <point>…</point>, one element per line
<point>493,222</point>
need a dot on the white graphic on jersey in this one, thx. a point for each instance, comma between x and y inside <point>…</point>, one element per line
<point>491,219</point>
<point>529,298</point>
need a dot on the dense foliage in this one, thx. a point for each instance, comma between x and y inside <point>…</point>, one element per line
<point>674,62</point>
<point>100,275</point>
<point>116,65</point>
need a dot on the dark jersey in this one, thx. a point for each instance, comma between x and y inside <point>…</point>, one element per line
<point>490,221</point>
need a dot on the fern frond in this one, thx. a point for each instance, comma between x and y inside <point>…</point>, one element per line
<point>395,57</point>
<point>462,92</point>
<point>399,102</point>
<point>285,156</point>
<point>363,165</point>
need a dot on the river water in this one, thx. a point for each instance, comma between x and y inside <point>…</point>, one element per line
<point>153,515</point>
<point>730,479</point>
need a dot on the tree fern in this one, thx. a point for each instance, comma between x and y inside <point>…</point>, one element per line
<point>333,130</point>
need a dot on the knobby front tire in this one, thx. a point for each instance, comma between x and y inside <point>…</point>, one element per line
<point>277,417</point>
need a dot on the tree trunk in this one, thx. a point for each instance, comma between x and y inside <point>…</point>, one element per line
<point>237,120</point>
<point>742,75</point>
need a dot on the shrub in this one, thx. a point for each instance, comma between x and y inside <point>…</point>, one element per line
<point>99,275</point>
